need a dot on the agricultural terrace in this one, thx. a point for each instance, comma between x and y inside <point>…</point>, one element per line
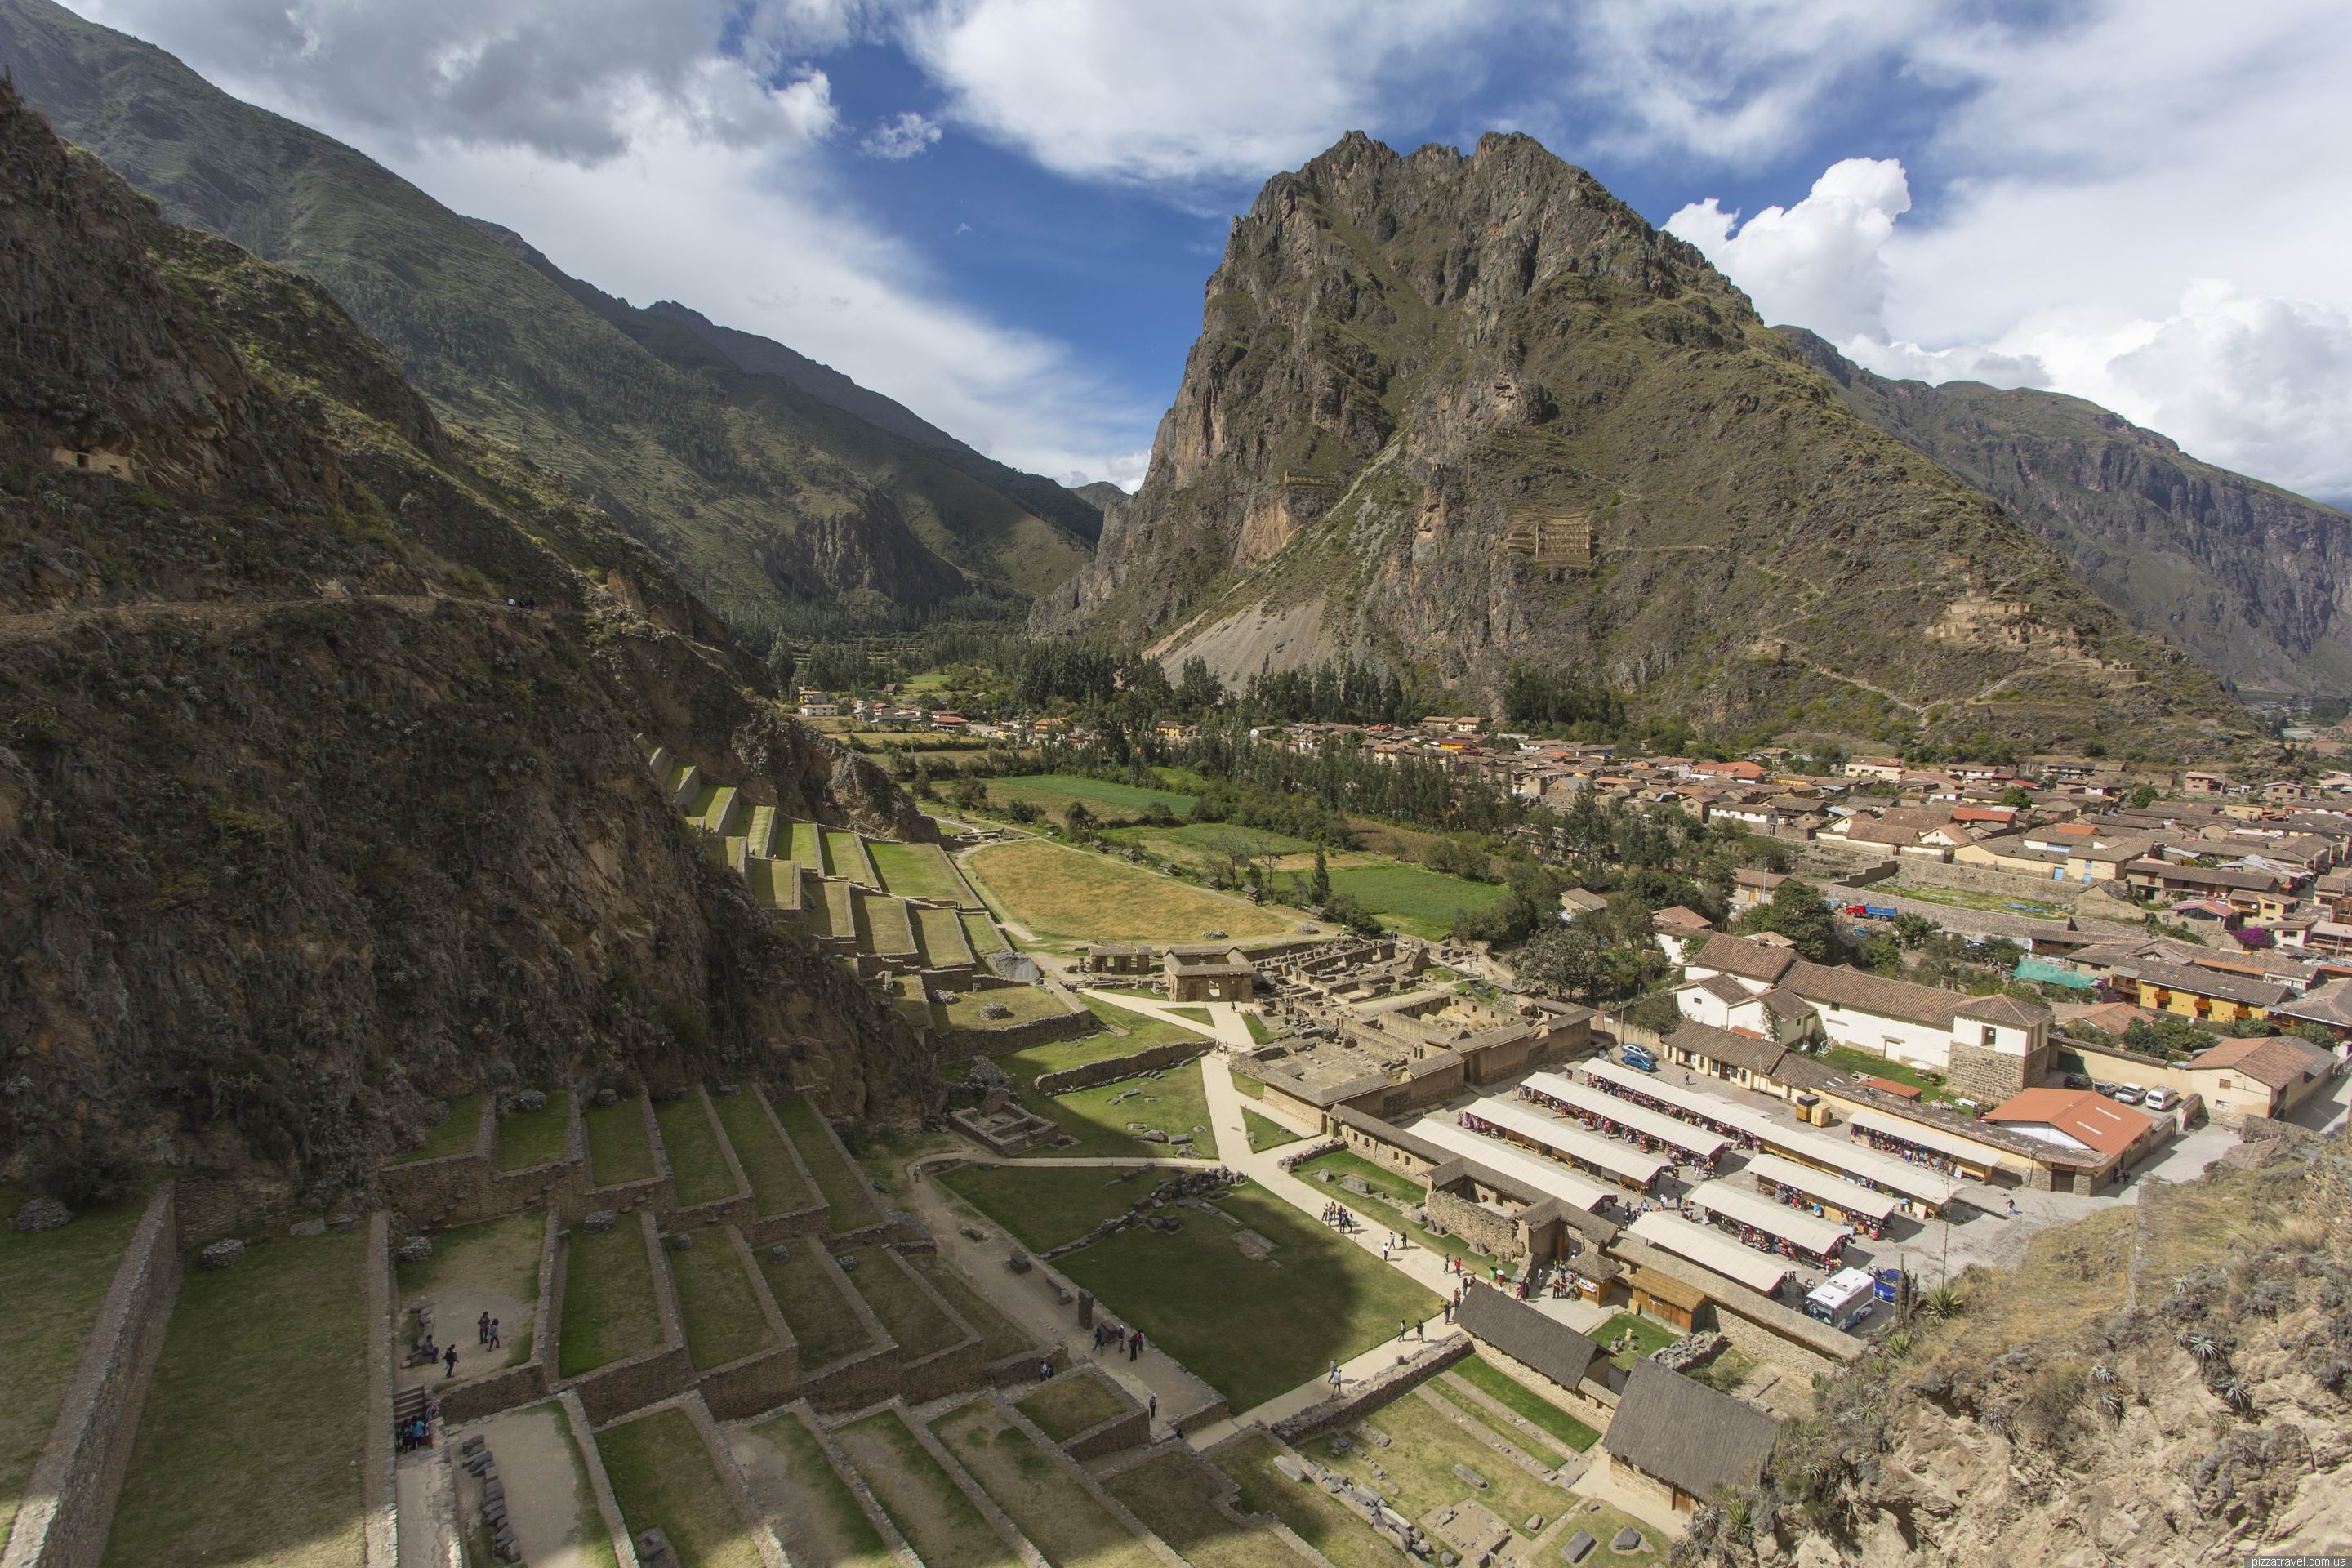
<point>698,1165</point>
<point>612,1310</point>
<point>1028,1004</point>
<point>664,1479</point>
<point>1040,1492</point>
<point>943,1525</point>
<point>777,1185</point>
<point>908,1315</point>
<point>774,884</point>
<point>531,1138</point>
<point>998,1336</point>
<point>1075,895</point>
<point>985,939</point>
<point>840,1180</point>
<point>619,1148</point>
<point>844,852</point>
<point>720,1305</point>
<point>808,847</point>
<point>213,1477</point>
<point>1411,899</point>
<point>918,871</point>
<point>811,1507</point>
<point>1176,1493</point>
<point>939,938</point>
<point>1198,1295</point>
<point>453,1136</point>
<point>883,925</point>
<point>53,1281</point>
<point>817,1309</point>
<point>1053,794</point>
<point>1070,1404</point>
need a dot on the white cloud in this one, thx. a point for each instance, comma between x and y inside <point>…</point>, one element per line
<point>900,136</point>
<point>1818,262</point>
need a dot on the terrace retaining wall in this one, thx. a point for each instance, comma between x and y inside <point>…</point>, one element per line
<point>1019,1036</point>
<point>448,1190</point>
<point>1152,1059</point>
<point>738,1208</point>
<point>660,1374</point>
<point>1482,1228</point>
<point>381,1495</point>
<point>68,1499</point>
<point>764,1379</point>
<point>1417,1369</point>
<point>655,1195</point>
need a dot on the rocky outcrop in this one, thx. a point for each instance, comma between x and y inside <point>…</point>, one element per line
<point>320,793</point>
<point>2253,580</point>
<point>1449,412</point>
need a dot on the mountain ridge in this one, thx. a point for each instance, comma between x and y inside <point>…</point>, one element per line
<point>1453,411</point>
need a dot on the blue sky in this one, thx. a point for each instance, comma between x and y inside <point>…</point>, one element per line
<point>2141,200</point>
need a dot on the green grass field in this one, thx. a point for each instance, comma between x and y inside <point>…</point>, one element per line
<point>1071,1404</point>
<point>1265,1132</point>
<point>1420,1461</point>
<point>1197,1297</point>
<point>1143,1029</point>
<point>664,1479</point>
<point>1411,899</point>
<point>777,1185</point>
<point>1026,1064</point>
<point>840,1180</point>
<point>999,1336</point>
<point>619,1148</point>
<point>1390,1203</point>
<point>807,842</point>
<point>1176,1495</point>
<point>847,856</point>
<point>718,1302</point>
<point>819,1519</point>
<point>1649,1337</point>
<point>53,1281</point>
<point>817,1312</point>
<point>531,1138</point>
<point>883,925</point>
<point>1209,844</point>
<point>611,1311</point>
<point>1110,1118</point>
<point>774,884</point>
<point>1342,1537</point>
<point>930,1511</point>
<point>215,1477</point>
<point>1521,1399</point>
<point>455,1136</point>
<point>1043,1208</point>
<point>1044,1499</point>
<point>909,1316</point>
<point>1052,793</point>
<point>698,1165</point>
<point>918,871</point>
<point>938,934</point>
<point>1080,895</point>
<point>1260,1031</point>
<point>985,939</point>
<point>1028,1003</point>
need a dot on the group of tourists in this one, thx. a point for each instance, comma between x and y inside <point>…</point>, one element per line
<point>1111,1335</point>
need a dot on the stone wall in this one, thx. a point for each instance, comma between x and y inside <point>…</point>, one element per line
<point>209,1208</point>
<point>1109,1070</point>
<point>1590,1401</point>
<point>764,1229</point>
<point>1488,1231</point>
<point>1017,1037</point>
<point>380,1498</point>
<point>68,1499</point>
<point>450,1190</point>
<point>655,1195</point>
<point>632,1384</point>
<point>764,1380</point>
<point>1988,1076</point>
<point>1417,1369</point>
<point>600,1485</point>
<point>741,1208</point>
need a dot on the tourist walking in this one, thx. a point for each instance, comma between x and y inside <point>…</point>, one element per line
<point>1135,1345</point>
<point>1152,1409</point>
<point>494,1334</point>
<point>482,1331</point>
<point>1044,1372</point>
<point>449,1359</point>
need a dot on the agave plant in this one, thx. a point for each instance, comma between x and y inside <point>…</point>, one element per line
<point>2201,1346</point>
<point>1943,1301</point>
<point>2102,1373</point>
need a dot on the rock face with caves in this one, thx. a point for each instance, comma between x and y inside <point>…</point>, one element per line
<point>1451,412</point>
<point>321,791</point>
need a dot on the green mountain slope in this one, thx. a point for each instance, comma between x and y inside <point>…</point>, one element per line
<point>764,498</point>
<point>309,821</point>
<point>1456,412</point>
<point>2254,580</point>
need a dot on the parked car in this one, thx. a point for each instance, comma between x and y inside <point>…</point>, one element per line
<point>2161,1098</point>
<point>2078,1080</point>
<point>2105,1087</point>
<point>2130,1094</point>
<point>1634,1057</point>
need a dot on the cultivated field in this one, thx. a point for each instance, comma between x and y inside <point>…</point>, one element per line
<point>918,871</point>
<point>1078,896</point>
<point>1411,899</point>
<point>1053,793</point>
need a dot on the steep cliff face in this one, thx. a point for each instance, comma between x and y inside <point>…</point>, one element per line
<point>303,826</point>
<point>769,502</point>
<point>2253,580</point>
<point>1454,411</point>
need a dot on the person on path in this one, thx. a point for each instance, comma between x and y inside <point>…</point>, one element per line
<point>1135,1344</point>
<point>482,1331</point>
<point>449,1359</point>
<point>1400,1331</point>
<point>1044,1372</point>
<point>494,1334</point>
<point>1334,1374</point>
<point>1384,1252</point>
<point>1152,1409</point>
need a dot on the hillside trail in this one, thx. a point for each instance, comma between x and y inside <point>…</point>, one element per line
<point>26,626</point>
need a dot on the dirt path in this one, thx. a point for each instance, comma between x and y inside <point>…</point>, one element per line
<point>548,1501</point>
<point>480,1268</point>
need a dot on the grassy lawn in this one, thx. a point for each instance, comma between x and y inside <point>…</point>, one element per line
<point>821,1318</point>
<point>1249,1329</point>
<point>1260,1031</point>
<point>1143,1030</point>
<point>774,884</point>
<point>918,871</point>
<point>999,1337</point>
<point>1423,1449</point>
<point>1077,895</point>
<point>1962,898</point>
<point>846,855</point>
<point>1412,899</point>
<point>609,1308</point>
<point>698,1165</point>
<point>1069,1405</point>
<point>1052,793</point>
<point>777,1185</point>
<point>1029,1003</point>
<point>835,913</point>
<point>1846,1058</point>
<point>718,1302</point>
<point>664,1479</point>
<point>1044,1499</point>
<point>1043,1207</point>
<point>1193,1014</point>
<point>1029,1063</point>
<point>930,1510</point>
<point>941,935</point>
<point>1338,1532</point>
<point>455,1136</point>
<point>492,1267</point>
<point>618,1147</point>
<point>1099,1118</point>
<point>807,847</point>
<point>815,1511</point>
<point>1521,1399</point>
<point>1390,1205</point>
<point>53,1281</point>
<point>1648,1337</point>
<point>841,1181</point>
<point>248,1448</point>
<point>1725,1370</point>
<point>1265,1132</point>
<point>530,1138</point>
<point>910,1316</point>
<point>1248,1087</point>
<point>883,925</point>
<point>985,939</point>
<point>1175,1495</point>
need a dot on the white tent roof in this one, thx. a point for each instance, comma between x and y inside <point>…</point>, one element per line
<point>1620,1160</point>
<point>1741,1202</point>
<point>1667,1129</point>
<point>1549,1177</point>
<point>1852,1197</point>
<point>1712,1250</point>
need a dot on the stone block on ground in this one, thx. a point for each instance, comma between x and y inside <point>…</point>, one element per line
<point>415,1250</point>
<point>1627,1539</point>
<point>681,1242</point>
<point>43,1213</point>
<point>1471,1477</point>
<point>1578,1547</point>
<point>221,1254</point>
<point>523,1100</point>
<point>598,1219</point>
